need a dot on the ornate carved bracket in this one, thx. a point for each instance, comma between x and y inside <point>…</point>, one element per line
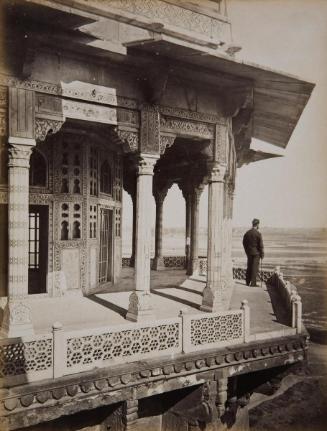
<point>130,140</point>
<point>166,141</point>
<point>45,127</point>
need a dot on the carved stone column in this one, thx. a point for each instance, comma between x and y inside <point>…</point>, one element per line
<point>212,293</point>
<point>17,315</point>
<point>188,217</point>
<point>132,260</point>
<point>139,301</point>
<point>158,262</point>
<point>193,264</point>
<point>228,239</point>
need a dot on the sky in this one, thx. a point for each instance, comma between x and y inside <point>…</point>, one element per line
<point>289,191</point>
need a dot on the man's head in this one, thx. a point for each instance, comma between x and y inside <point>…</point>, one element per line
<point>255,223</point>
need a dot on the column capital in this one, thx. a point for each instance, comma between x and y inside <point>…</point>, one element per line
<point>19,152</point>
<point>146,164</point>
<point>216,172</point>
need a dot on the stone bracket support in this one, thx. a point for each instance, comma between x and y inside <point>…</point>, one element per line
<point>130,414</point>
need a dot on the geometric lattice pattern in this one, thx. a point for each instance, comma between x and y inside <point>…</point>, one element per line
<point>207,330</point>
<point>20,358</point>
<point>122,344</point>
<point>174,261</point>
<point>240,274</point>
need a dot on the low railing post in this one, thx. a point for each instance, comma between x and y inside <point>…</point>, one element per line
<point>298,314</point>
<point>59,354</point>
<point>246,320</point>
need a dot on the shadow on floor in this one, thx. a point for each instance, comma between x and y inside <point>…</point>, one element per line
<point>105,303</point>
<point>175,298</point>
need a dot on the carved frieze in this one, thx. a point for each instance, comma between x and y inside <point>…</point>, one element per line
<point>186,128</point>
<point>91,92</point>
<point>171,111</point>
<point>88,112</point>
<point>165,13</point>
<point>56,89</point>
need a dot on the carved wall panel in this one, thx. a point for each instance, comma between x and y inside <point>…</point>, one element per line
<point>150,130</point>
<point>70,263</point>
<point>21,113</point>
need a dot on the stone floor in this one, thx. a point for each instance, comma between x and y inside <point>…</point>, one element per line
<point>172,291</point>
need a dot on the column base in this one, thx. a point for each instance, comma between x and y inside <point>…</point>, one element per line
<point>140,308</point>
<point>16,320</point>
<point>193,267</point>
<point>158,263</point>
<point>212,300</point>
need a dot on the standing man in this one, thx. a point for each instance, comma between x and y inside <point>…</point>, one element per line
<point>253,246</point>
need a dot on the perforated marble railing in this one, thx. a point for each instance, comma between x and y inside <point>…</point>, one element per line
<point>26,359</point>
<point>65,352</point>
<point>68,352</point>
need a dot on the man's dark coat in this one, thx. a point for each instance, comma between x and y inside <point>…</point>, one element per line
<point>252,243</point>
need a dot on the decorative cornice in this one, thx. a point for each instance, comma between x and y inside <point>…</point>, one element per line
<point>170,111</point>
<point>56,89</point>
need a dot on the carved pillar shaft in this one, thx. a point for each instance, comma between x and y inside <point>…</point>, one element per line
<point>17,320</point>
<point>158,262</point>
<point>213,292</point>
<point>132,261</point>
<point>193,264</point>
<point>139,306</point>
<point>188,216</point>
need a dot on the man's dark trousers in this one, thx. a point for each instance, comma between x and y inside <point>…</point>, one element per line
<point>252,270</point>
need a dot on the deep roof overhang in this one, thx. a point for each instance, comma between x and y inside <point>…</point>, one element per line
<point>278,98</point>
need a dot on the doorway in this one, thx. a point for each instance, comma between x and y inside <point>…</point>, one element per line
<point>106,245</point>
<point>37,248</point>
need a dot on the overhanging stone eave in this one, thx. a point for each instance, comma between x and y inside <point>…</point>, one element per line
<point>283,88</point>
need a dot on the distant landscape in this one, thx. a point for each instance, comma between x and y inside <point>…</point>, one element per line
<point>301,254</point>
